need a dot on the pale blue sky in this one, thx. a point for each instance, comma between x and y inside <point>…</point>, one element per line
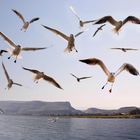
<point>54,62</point>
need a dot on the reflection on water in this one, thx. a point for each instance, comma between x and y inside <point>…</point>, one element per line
<point>43,128</point>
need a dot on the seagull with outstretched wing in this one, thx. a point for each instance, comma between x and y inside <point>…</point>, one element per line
<point>125,49</point>
<point>40,75</point>
<point>118,24</point>
<point>70,39</point>
<point>81,78</point>
<point>17,48</point>
<point>10,81</point>
<point>111,75</point>
<point>25,23</point>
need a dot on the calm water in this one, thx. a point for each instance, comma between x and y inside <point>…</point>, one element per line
<point>42,128</point>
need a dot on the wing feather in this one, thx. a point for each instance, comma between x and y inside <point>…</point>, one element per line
<point>52,81</point>
<point>95,61</point>
<point>34,19</point>
<point>19,15</point>
<point>8,40</point>
<point>31,70</point>
<point>5,71</point>
<point>132,19</point>
<point>57,32</point>
<point>128,67</point>
<point>32,49</point>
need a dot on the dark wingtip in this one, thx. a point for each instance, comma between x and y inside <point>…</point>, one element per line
<point>85,61</point>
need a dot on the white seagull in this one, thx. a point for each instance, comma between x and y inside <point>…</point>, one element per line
<point>111,75</point>
<point>81,22</point>
<point>25,23</point>
<point>70,39</point>
<point>40,75</point>
<point>10,81</point>
<point>17,48</point>
<point>118,24</point>
<point>80,78</point>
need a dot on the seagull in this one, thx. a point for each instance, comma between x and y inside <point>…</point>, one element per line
<point>111,75</point>
<point>81,23</point>
<point>2,51</point>
<point>40,75</point>
<point>70,39</point>
<point>118,24</point>
<point>25,23</point>
<point>10,81</point>
<point>78,79</point>
<point>98,29</point>
<point>125,49</point>
<point>17,48</point>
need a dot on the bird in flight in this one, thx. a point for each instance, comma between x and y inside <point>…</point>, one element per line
<point>125,49</point>
<point>25,23</point>
<point>81,78</point>
<point>40,75</point>
<point>118,24</point>
<point>111,75</point>
<point>81,22</point>
<point>10,81</point>
<point>2,51</point>
<point>17,48</point>
<point>70,39</point>
<point>98,29</point>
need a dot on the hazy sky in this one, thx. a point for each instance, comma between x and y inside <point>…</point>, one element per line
<point>54,62</point>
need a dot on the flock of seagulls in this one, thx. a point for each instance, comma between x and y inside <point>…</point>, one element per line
<point>38,75</point>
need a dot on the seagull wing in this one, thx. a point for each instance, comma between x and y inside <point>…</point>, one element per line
<point>8,40</point>
<point>89,21</point>
<point>17,84</point>
<point>100,28</point>
<point>85,77</point>
<point>57,32</point>
<point>52,81</point>
<point>74,12</point>
<point>6,73</point>
<point>31,70</point>
<point>2,51</point>
<point>116,48</point>
<point>19,15</point>
<point>128,67</point>
<point>131,49</point>
<point>131,19</point>
<point>109,19</point>
<point>95,61</point>
<point>32,49</point>
<point>74,76</point>
<point>34,19</point>
<point>79,33</point>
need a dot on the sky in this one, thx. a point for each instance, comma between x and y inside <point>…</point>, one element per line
<point>56,63</point>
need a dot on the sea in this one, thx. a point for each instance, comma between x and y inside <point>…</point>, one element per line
<point>57,128</point>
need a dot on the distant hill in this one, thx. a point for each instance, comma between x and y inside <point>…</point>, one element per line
<point>37,108</point>
<point>123,110</point>
<point>41,108</point>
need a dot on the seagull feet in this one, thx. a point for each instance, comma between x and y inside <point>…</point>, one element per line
<point>103,87</point>
<point>9,57</point>
<point>15,61</point>
<point>110,90</point>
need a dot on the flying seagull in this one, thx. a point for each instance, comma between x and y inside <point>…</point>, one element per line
<point>98,29</point>
<point>78,79</point>
<point>40,75</point>
<point>111,75</point>
<point>81,22</point>
<point>118,24</point>
<point>2,51</point>
<point>10,81</point>
<point>25,23</point>
<point>125,49</point>
<point>70,39</point>
<point>17,48</point>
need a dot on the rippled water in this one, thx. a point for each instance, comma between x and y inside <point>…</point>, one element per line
<point>43,128</point>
